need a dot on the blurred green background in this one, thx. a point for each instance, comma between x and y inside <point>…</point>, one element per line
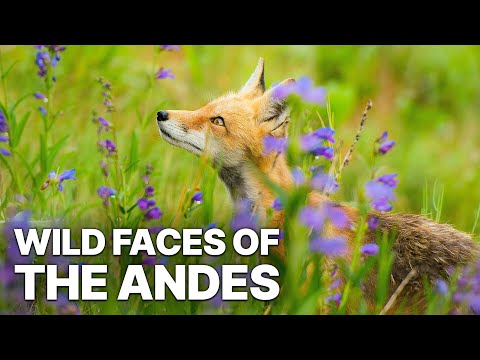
<point>427,97</point>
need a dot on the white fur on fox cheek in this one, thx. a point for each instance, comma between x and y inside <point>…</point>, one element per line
<point>182,138</point>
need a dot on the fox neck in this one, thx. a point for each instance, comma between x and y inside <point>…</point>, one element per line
<point>246,181</point>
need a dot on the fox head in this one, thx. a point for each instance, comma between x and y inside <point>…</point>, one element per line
<point>229,129</point>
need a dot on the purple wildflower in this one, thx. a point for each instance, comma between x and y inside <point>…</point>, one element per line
<point>155,229</point>
<point>312,217</point>
<point>323,182</point>
<point>474,303</point>
<point>7,274</point>
<point>304,88</point>
<point>325,133</point>
<point>335,297</point>
<point>19,221</point>
<point>197,197</point>
<point>298,176</point>
<point>149,190</point>
<point>5,152</point>
<point>209,226</point>
<point>441,287</point>
<point>42,60</point>
<point>243,217</point>
<point>389,180</point>
<point>336,215</point>
<point>282,91</point>
<point>40,96</point>
<point>104,167</point>
<point>335,284</point>
<point>277,204</point>
<point>170,47</point>
<point>59,179</point>
<point>309,142</point>
<point>108,145</point>
<point>3,123</point>
<point>153,260</point>
<point>334,246</point>
<point>144,204</point>
<point>372,222</point>
<point>274,144</point>
<point>104,124</point>
<point>380,195</point>
<point>64,306</point>
<point>42,110</point>
<point>164,74</point>
<point>385,145</point>
<point>370,249</point>
<point>153,213</point>
<point>325,151</point>
<point>316,217</point>
<point>106,193</point>
<point>3,139</point>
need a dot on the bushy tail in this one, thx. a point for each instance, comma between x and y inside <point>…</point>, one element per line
<point>432,249</point>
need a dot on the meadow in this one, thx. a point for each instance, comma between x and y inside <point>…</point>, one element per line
<point>93,109</point>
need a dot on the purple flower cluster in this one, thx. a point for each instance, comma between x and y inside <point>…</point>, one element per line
<point>105,193</point>
<point>164,74</point>
<point>380,192</point>
<point>468,288</point>
<point>54,178</point>
<point>146,203</point>
<point>154,260</point>
<point>323,182</point>
<point>316,218</point>
<point>3,139</point>
<point>170,47</point>
<point>42,97</point>
<point>370,249</point>
<point>63,306</point>
<point>47,55</point>
<point>197,197</point>
<point>314,142</point>
<point>272,144</point>
<point>298,176</point>
<point>146,176</point>
<point>383,144</point>
<point>12,284</point>
<point>107,94</point>
<point>277,204</point>
<point>108,147</point>
<point>244,218</point>
<point>304,88</point>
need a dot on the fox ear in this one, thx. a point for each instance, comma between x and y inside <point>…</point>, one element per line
<point>256,84</point>
<point>275,114</point>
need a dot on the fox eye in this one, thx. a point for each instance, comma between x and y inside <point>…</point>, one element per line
<point>218,120</point>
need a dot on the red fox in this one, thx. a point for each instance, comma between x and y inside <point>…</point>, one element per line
<point>230,130</point>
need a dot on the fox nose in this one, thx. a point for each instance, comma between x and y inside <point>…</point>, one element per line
<point>162,115</point>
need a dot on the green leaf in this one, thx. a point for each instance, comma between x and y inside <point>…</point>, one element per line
<point>19,101</point>
<point>15,140</point>
<point>5,74</point>
<point>43,154</point>
<point>54,149</point>
<point>27,166</point>
<point>133,152</point>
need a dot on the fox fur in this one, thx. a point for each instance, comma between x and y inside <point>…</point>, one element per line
<point>230,130</point>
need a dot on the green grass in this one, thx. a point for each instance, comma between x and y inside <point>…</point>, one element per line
<point>425,96</point>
